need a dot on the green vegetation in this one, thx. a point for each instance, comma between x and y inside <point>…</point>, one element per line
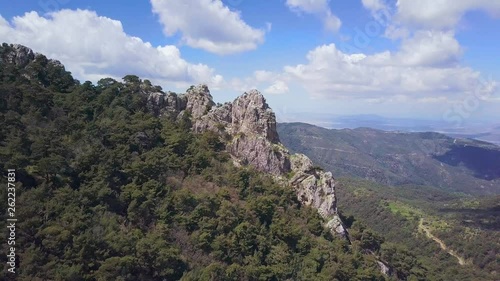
<point>470,231</point>
<point>108,191</point>
<point>403,210</point>
<point>411,178</point>
<point>399,159</point>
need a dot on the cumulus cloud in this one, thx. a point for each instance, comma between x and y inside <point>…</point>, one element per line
<point>320,8</point>
<point>443,14</point>
<point>373,5</point>
<point>424,49</point>
<point>92,47</point>
<point>272,82</point>
<point>425,68</point>
<point>263,76</point>
<point>208,25</point>
<point>278,87</point>
<point>402,18</point>
<point>331,73</point>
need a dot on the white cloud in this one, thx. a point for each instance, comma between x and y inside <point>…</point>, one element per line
<point>331,73</point>
<point>425,68</point>
<point>320,8</point>
<point>264,76</point>
<point>373,5</point>
<point>424,49</point>
<point>396,32</point>
<point>441,14</point>
<point>208,25</point>
<point>431,49</point>
<point>271,82</point>
<point>279,87</point>
<point>403,17</point>
<point>93,46</point>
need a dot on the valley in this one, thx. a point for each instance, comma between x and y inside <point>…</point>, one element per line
<point>399,158</point>
<point>430,223</point>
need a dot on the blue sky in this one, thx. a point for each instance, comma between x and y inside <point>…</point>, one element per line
<point>395,58</point>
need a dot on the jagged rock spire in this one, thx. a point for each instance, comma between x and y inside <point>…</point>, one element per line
<point>199,101</point>
<point>251,113</point>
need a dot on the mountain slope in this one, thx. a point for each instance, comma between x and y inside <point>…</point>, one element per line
<point>123,181</point>
<point>115,182</point>
<point>453,235</point>
<point>396,158</point>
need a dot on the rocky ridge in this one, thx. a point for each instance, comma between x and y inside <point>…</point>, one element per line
<point>248,121</point>
<point>21,56</point>
<point>253,140</point>
<point>35,67</point>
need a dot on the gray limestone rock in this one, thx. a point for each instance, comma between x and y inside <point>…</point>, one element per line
<point>164,104</point>
<point>259,153</point>
<point>199,101</point>
<point>316,188</point>
<point>20,56</point>
<point>218,119</point>
<point>252,114</point>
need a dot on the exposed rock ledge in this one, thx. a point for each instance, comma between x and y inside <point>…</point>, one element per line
<point>252,126</point>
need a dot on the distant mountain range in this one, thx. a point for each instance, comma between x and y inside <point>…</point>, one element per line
<point>472,129</point>
<point>399,158</point>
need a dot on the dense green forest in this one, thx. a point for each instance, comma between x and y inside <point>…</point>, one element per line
<point>106,190</point>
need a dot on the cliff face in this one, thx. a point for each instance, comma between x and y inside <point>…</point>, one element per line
<point>251,125</point>
<point>253,140</point>
<point>316,188</point>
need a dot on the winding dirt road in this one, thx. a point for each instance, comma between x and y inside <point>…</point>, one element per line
<point>443,246</point>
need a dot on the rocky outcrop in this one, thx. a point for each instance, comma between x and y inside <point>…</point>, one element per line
<point>255,141</point>
<point>36,67</point>
<point>384,268</point>
<point>252,114</point>
<point>19,55</point>
<point>250,125</point>
<point>199,101</point>
<point>316,188</point>
<point>218,119</point>
<point>165,103</point>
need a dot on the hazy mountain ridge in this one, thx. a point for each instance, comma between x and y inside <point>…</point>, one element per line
<point>399,158</point>
<point>486,130</point>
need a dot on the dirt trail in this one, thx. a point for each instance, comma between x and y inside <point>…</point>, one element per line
<point>443,246</point>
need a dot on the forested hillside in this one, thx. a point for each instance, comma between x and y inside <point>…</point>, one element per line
<point>107,190</point>
<point>468,227</point>
<point>420,191</point>
<point>399,158</point>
